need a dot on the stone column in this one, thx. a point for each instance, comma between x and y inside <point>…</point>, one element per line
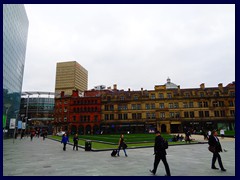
<point>158,126</point>
<point>168,127</point>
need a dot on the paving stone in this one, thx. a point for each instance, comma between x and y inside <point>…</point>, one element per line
<point>46,158</point>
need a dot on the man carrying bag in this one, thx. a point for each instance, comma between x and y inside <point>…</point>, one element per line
<point>160,147</point>
<point>215,147</point>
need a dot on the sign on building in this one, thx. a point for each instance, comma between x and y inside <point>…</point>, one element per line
<point>23,125</point>
<point>19,124</point>
<point>12,123</point>
<point>4,121</point>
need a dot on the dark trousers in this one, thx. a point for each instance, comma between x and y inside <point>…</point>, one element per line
<point>188,139</point>
<point>75,145</point>
<point>159,157</point>
<point>216,156</point>
<point>64,146</point>
<point>31,137</point>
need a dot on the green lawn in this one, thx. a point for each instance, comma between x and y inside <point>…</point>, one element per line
<point>129,138</point>
<point>132,140</point>
<point>228,133</point>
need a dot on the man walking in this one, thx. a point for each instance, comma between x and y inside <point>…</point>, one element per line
<point>187,138</point>
<point>22,134</point>
<point>160,154</point>
<point>32,134</point>
<point>44,134</point>
<point>64,141</point>
<point>75,142</point>
<point>215,143</point>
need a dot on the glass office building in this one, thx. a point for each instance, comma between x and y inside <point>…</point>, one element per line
<point>38,109</point>
<point>15,32</point>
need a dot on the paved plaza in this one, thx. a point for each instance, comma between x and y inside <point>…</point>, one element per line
<point>46,158</point>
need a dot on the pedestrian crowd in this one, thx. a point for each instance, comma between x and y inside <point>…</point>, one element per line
<point>160,146</point>
<point>32,132</point>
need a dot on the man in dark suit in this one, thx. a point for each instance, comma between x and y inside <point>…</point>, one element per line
<point>214,142</point>
<point>160,154</point>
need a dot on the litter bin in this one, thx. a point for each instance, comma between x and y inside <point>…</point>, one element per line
<point>88,145</point>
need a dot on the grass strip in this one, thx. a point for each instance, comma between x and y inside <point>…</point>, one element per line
<point>102,145</point>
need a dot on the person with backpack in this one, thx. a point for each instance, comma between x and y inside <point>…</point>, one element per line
<point>160,147</point>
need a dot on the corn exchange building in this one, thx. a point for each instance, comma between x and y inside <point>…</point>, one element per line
<point>167,108</point>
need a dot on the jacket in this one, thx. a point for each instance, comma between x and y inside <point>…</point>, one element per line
<point>215,143</point>
<point>75,139</point>
<point>158,146</point>
<point>64,139</point>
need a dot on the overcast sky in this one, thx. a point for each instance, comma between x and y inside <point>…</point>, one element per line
<point>132,46</point>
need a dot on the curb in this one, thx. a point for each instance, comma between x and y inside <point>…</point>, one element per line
<point>67,143</point>
<point>99,150</point>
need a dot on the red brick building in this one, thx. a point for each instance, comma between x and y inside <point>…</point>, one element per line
<point>76,114</point>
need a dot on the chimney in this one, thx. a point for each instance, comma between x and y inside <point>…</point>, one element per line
<point>142,91</point>
<point>202,86</point>
<point>220,86</point>
<point>129,89</point>
<point>62,93</point>
<point>75,93</point>
<point>115,86</point>
<point>178,89</point>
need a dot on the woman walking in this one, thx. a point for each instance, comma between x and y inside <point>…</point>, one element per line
<point>75,142</point>
<point>122,144</point>
<point>65,140</point>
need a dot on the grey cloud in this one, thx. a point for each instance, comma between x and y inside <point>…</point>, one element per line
<point>132,45</point>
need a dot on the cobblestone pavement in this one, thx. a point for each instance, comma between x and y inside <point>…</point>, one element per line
<point>46,158</point>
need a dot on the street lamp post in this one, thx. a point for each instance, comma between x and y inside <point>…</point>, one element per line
<point>27,112</point>
<point>15,126</point>
<point>22,115</point>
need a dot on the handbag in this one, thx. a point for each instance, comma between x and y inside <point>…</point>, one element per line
<point>211,149</point>
<point>124,146</point>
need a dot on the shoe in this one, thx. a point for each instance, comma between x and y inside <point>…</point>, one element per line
<point>214,168</point>
<point>118,155</point>
<point>223,170</point>
<point>152,172</point>
<point>126,155</point>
